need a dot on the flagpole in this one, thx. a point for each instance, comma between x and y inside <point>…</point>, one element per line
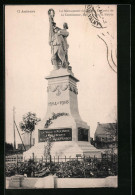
<point>14,128</point>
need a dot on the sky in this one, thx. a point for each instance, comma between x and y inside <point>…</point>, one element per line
<point>28,62</point>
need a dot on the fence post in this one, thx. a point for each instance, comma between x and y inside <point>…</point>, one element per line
<point>58,159</point>
<point>107,165</point>
<point>65,158</point>
<point>16,159</point>
<point>50,159</point>
<point>112,163</point>
<point>16,163</point>
<point>94,162</point>
<point>84,166</point>
<point>33,156</point>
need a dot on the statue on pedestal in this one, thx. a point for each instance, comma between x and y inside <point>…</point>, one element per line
<point>58,43</point>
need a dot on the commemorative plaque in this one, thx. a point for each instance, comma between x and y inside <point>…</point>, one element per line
<point>82,134</point>
<point>56,134</point>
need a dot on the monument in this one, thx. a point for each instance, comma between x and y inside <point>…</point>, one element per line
<point>70,134</point>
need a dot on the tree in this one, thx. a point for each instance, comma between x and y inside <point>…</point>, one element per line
<point>47,148</point>
<point>47,151</point>
<point>28,123</point>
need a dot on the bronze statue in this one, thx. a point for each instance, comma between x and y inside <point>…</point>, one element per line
<point>58,42</point>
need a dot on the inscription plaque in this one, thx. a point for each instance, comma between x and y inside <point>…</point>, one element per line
<point>82,134</point>
<point>64,134</point>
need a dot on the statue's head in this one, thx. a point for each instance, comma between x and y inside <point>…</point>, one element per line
<point>51,13</point>
<point>65,25</point>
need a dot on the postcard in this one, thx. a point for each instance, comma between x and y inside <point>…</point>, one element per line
<point>61,96</point>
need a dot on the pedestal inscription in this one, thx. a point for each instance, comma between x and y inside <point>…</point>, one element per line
<point>57,134</point>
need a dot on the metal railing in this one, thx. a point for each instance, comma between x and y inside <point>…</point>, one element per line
<point>64,167</point>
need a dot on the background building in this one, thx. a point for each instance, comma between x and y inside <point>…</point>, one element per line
<point>106,136</point>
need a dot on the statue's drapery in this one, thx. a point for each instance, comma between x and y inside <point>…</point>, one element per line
<point>58,43</point>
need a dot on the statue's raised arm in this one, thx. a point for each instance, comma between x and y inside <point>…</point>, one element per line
<point>52,24</point>
<point>58,42</point>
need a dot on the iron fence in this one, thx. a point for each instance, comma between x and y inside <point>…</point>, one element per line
<point>64,167</point>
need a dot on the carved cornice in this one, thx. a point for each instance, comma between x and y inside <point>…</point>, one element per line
<point>58,88</point>
<point>72,88</point>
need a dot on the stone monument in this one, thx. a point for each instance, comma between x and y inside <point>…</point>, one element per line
<point>70,134</point>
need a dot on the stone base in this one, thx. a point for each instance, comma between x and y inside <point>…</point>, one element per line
<point>16,180</point>
<point>65,148</point>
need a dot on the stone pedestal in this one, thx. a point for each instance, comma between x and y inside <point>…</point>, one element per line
<point>62,120</point>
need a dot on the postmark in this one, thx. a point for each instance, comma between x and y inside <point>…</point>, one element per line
<point>95,16</point>
<point>100,17</point>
